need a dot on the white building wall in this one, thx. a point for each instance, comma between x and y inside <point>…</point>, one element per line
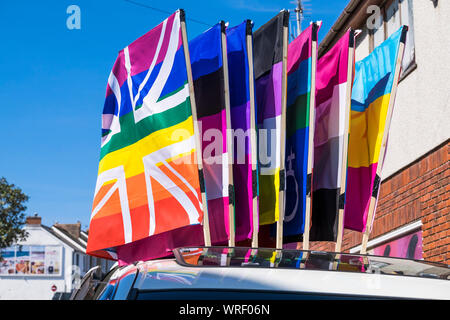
<point>38,287</point>
<point>68,269</point>
<point>27,288</point>
<point>421,117</point>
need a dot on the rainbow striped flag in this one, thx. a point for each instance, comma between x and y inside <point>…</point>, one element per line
<point>268,61</point>
<point>299,70</point>
<point>371,94</point>
<point>244,181</point>
<point>207,70</point>
<point>329,135</point>
<point>147,180</point>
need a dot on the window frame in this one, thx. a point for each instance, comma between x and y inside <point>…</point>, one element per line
<point>384,5</point>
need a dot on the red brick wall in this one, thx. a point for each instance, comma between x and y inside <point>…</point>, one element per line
<point>419,191</point>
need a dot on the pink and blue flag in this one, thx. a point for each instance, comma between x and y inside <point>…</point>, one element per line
<point>244,180</point>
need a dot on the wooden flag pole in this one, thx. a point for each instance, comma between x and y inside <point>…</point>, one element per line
<point>312,119</point>
<point>348,101</point>
<point>253,141</point>
<point>230,254</point>
<point>278,258</point>
<point>198,144</point>
<point>376,185</point>
<point>279,239</point>
<point>229,137</point>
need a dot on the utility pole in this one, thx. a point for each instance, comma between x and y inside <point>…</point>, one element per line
<point>299,14</point>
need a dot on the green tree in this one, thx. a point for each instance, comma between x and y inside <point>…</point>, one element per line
<point>12,216</point>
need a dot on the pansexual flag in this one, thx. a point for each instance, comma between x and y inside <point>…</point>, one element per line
<point>299,70</point>
<point>238,74</point>
<point>148,178</point>
<point>268,62</point>
<point>371,94</point>
<point>209,87</point>
<point>329,135</point>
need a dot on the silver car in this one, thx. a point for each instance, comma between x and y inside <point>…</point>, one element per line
<point>238,273</point>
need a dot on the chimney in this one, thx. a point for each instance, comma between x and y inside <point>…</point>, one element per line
<point>73,229</point>
<point>34,220</point>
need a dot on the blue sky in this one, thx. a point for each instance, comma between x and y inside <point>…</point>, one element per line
<point>53,81</point>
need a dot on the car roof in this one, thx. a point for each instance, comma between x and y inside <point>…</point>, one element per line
<point>266,269</point>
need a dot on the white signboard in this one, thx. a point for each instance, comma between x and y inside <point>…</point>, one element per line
<point>31,260</point>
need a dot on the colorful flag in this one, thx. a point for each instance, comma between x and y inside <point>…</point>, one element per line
<point>159,245</point>
<point>244,180</point>
<point>329,135</point>
<point>268,62</point>
<point>299,70</point>
<point>207,70</point>
<point>371,94</point>
<point>148,179</point>
<point>209,87</point>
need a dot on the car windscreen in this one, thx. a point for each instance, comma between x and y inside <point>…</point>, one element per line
<point>205,257</point>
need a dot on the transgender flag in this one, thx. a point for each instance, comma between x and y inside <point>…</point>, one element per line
<point>371,95</point>
<point>148,182</point>
<point>209,87</point>
<point>299,72</point>
<point>329,135</point>
<point>239,78</point>
<point>268,61</point>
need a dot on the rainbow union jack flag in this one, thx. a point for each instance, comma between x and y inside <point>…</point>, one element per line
<point>148,177</point>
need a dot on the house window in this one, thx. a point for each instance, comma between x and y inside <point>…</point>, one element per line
<point>103,264</point>
<point>392,18</point>
<point>87,264</point>
<point>77,259</point>
<point>378,33</point>
<point>394,14</point>
<point>406,15</point>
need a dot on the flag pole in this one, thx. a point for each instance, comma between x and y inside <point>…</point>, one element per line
<point>348,101</point>
<point>198,145</point>
<point>229,137</point>
<point>376,184</point>
<point>253,142</point>
<point>279,239</point>
<point>312,117</point>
